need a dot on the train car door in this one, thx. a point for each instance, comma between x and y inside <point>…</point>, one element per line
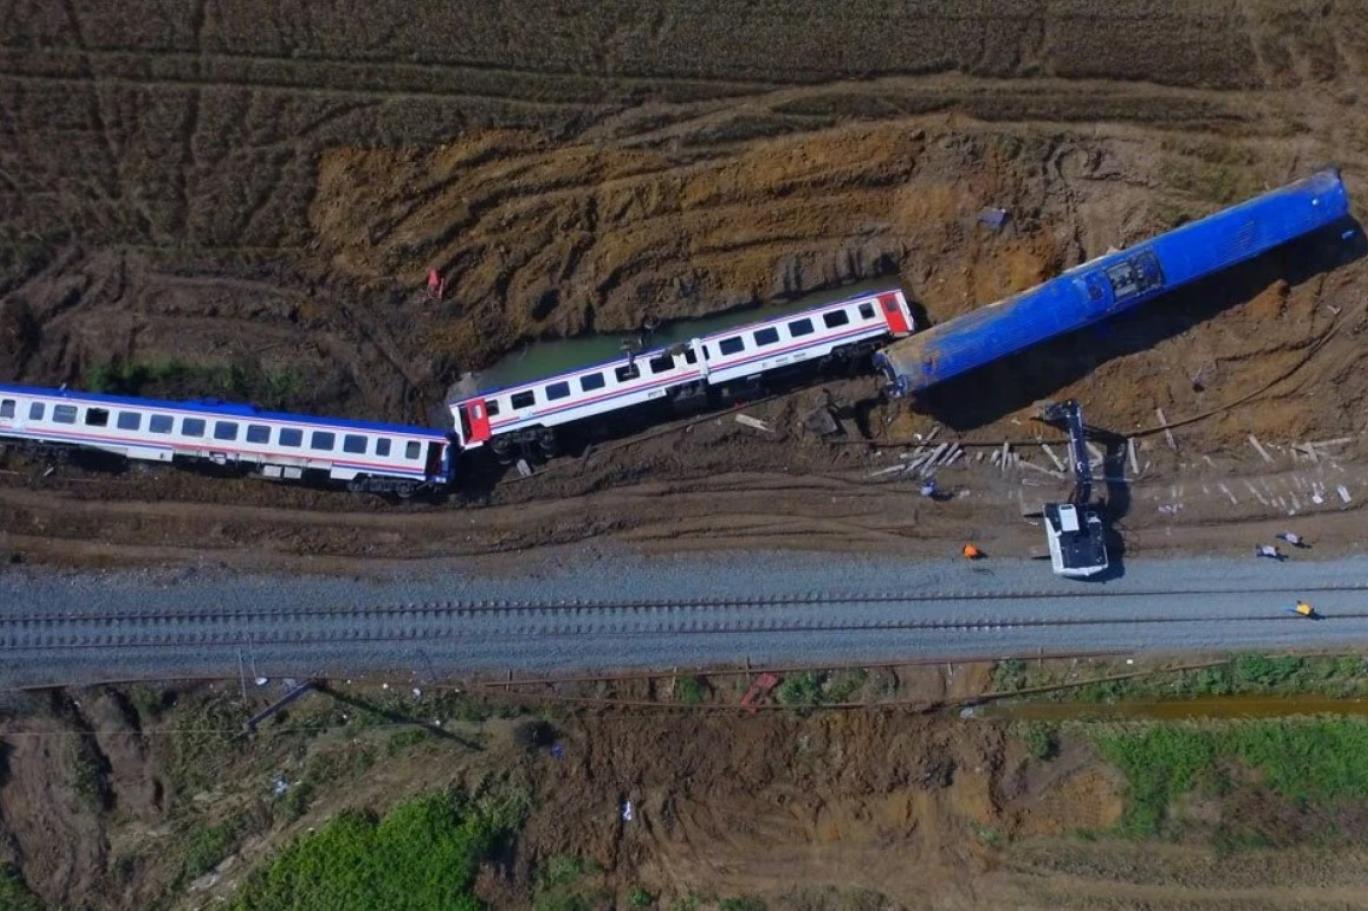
<point>433,468</point>
<point>477,416</point>
<point>894,314</point>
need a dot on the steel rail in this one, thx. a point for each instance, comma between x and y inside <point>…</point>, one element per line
<point>711,603</point>
<point>50,642</point>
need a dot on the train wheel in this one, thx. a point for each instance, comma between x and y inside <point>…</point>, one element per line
<point>546,443</point>
<point>502,450</point>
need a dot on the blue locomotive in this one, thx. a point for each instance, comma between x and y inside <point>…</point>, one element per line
<point>1110,284</point>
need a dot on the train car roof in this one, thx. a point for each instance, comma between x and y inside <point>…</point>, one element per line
<point>743,318</point>
<point>221,408</point>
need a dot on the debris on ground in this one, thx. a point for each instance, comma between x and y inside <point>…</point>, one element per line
<point>754,423</point>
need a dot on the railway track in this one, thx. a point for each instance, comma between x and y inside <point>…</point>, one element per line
<point>499,620</point>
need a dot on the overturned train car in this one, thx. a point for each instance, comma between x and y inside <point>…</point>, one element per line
<point>1110,284</point>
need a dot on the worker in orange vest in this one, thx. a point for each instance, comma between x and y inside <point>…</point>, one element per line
<point>971,552</point>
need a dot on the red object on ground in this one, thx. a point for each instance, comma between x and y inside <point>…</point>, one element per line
<point>436,284</point>
<point>762,685</point>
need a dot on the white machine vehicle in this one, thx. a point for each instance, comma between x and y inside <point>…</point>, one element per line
<point>1074,531</point>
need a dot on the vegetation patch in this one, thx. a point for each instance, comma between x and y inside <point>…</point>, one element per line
<point>688,690</point>
<point>207,846</point>
<point>239,382</point>
<point>561,885</point>
<point>423,854</point>
<point>14,892</point>
<point>1244,675</point>
<point>1305,762</point>
<point>814,688</point>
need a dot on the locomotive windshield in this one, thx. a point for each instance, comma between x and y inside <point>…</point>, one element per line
<point>1135,275</point>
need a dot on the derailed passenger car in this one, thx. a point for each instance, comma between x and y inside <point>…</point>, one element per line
<point>362,455</point>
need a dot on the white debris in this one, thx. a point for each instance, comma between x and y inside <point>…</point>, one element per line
<point>1134,462</point>
<point>1254,441</point>
<point>754,423</point>
<point>1343,493</point>
<point>1168,434</point>
<point>1053,458</point>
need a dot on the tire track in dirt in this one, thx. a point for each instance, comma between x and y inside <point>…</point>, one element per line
<point>439,68</point>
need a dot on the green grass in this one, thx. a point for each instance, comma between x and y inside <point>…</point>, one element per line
<point>800,690</point>
<point>560,885</point>
<point>1042,740</point>
<point>87,772</point>
<point>421,856</point>
<point>741,903</point>
<point>640,898</point>
<point>688,690</point>
<point>207,846</point>
<point>403,740</point>
<point>1244,675</point>
<point>14,892</point>
<point>1303,761</point>
<point>237,382</point>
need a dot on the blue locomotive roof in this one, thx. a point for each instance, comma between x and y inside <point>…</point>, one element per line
<point>1115,282</point>
<point>216,407</point>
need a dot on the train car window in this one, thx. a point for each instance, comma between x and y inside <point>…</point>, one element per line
<point>258,433</point>
<point>591,381</point>
<point>7,408</point>
<point>130,420</point>
<point>523,399</point>
<point>690,357</point>
<point>627,372</point>
<point>413,450</point>
<point>866,311</point>
<point>557,391</point>
<point>382,447</point>
<point>322,440</point>
<point>492,407</point>
<point>192,427</point>
<point>800,327</point>
<point>291,437</point>
<point>731,345</point>
<point>834,318</point>
<point>225,430</point>
<point>767,336</point>
<point>160,423</point>
<point>64,414</point>
<point>890,305</point>
<point>662,362</point>
<point>36,411</point>
<point>354,443</point>
<point>97,417</point>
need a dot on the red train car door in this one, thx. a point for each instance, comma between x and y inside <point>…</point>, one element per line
<point>477,415</point>
<point>894,315</point>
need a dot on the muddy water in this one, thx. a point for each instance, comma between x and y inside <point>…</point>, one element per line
<point>1174,709</point>
<point>549,357</point>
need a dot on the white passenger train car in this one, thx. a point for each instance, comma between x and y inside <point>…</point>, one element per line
<point>529,411</point>
<point>363,455</point>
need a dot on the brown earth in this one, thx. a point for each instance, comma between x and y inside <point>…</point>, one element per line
<point>885,808</point>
